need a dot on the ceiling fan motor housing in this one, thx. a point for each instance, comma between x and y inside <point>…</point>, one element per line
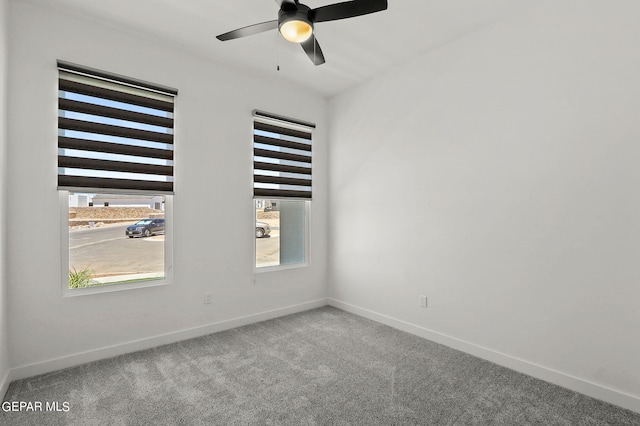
<point>300,13</point>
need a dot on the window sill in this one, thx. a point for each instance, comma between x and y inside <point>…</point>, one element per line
<point>264,269</point>
<point>74,292</point>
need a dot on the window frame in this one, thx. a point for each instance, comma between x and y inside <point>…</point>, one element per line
<point>298,195</point>
<point>105,85</point>
<point>64,248</point>
<point>307,219</point>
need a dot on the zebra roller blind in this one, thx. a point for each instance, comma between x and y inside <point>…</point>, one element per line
<point>282,166</point>
<point>113,132</point>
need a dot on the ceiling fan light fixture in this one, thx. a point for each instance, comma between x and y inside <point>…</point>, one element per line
<point>296,31</point>
<point>295,23</point>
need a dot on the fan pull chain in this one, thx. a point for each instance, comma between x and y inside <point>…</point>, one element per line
<point>278,51</point>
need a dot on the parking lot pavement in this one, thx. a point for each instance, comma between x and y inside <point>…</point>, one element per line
<point>107,251</point>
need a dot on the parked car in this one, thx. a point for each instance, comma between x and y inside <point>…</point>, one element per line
<point>262,229</point>
<point>145,228</point>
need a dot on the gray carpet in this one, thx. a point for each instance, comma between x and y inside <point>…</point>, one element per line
<point>320,367</point>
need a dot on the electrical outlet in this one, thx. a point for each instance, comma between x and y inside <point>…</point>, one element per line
<point>207,298</point>
<point>423,301</point>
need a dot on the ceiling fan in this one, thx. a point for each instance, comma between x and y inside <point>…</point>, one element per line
<point>296,20</point>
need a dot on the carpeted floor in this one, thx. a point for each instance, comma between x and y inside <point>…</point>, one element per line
<point>320,367</point>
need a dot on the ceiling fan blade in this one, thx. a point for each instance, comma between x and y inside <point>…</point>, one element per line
<point>347,9</point>
<point>313,51</point>
<point>250,30</point>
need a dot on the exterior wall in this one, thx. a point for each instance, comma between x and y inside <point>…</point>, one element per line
<point>150,202</point>
<point>508,162</point>
<point>213,184</point>
<point>77,200</point>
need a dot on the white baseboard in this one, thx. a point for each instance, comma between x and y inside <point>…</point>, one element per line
<point>603,393</point>
<point>47,366</point>
<point>4,384</point>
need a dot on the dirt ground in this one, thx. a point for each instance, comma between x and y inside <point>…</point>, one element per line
<point>262,215</point>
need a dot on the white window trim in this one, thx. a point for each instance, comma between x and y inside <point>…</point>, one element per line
<point>307,260</point>
<point>64,251</point>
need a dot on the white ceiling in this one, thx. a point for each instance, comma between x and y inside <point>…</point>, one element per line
<point>355,49</point>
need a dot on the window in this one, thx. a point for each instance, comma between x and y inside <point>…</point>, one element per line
<point>122,243</point>
<point>115,176</point>
<point>282,175</point>
<point>281,232</point>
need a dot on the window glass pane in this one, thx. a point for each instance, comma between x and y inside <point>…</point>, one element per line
<point>292,232</point>
<point>280,232</point>
<point>267,233</point>
<point>115,238</point>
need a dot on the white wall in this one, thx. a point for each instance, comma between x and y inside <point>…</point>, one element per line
<point>213,157</point>
<point>498,175</point>
<point>4,342</point>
